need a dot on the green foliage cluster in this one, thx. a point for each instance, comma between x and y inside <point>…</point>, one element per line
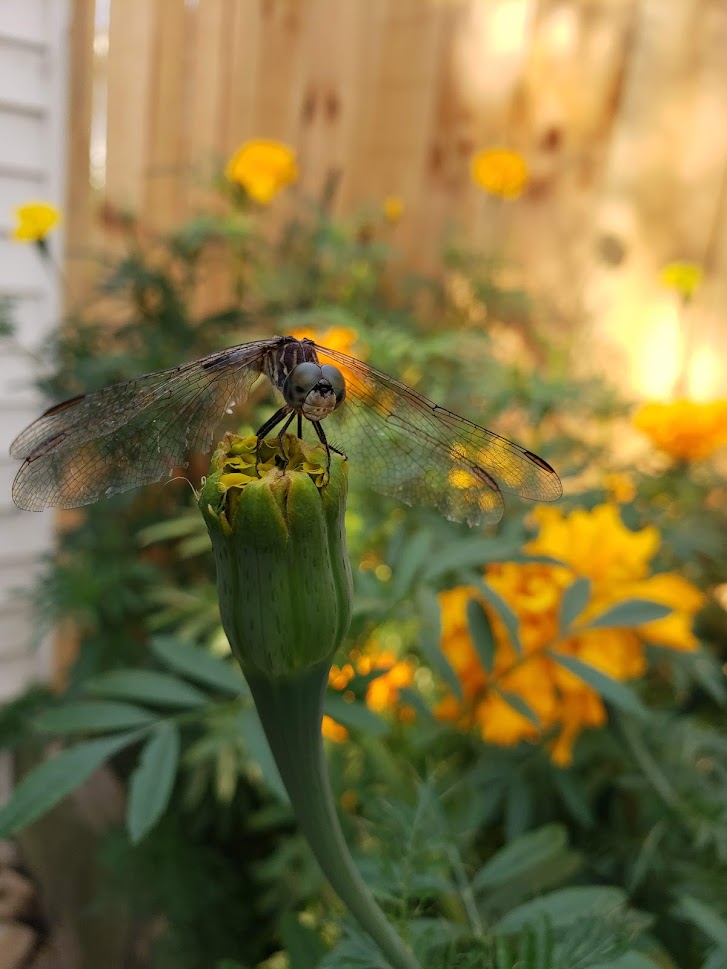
<point>485,858</point>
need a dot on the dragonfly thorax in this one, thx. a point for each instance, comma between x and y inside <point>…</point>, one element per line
<point>313,390</point>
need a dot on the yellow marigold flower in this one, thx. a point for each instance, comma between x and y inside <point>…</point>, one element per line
<point>684,429</point>
<point>341,338</point>
<point>393,208</point>
<point>620,487</point>
<point>382,694</point>
<point>332,730</point>
<point>500,171</point>
<point>591,544</point>
<point>263,167</point>
<point>34,221</point>
<point>683,277</point>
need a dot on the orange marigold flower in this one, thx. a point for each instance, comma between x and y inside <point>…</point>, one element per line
<point>263,167</point>
<point>500,172</point>
<point>620,487</point>
<point>34,221</point>
<point>591,544</point>
<point>684,429</point>
<point>332,730</point>
<point>382,694</point>
<point>683,277</point>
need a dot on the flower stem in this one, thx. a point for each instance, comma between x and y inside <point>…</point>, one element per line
<point>290,709</point>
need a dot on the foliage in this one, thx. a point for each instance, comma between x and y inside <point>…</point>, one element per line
<point>486,850</point>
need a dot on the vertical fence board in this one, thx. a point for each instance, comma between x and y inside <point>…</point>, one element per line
<point>78,216</point>
<point>130,94</point>
<point>164,162</point>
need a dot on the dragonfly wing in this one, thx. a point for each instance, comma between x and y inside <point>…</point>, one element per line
<point>416,451</point>
<point>130,433</point>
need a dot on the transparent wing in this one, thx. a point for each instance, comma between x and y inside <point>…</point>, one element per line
<point>414,450</point>
<point>130,433</point>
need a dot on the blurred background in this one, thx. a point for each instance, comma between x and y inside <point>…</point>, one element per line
<point>516,206</point>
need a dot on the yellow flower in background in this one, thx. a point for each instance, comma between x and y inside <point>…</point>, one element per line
<point>591,544</point>
<point>341,338</point>
<point>500,172</point>
<point>620,487</point>
<point>393,208</point>
<point>332,730</point>
<point>263,167</point>
<point>683,277</point>
<point>34,221</point>
<point>684,429</point>
<point>383,692</point>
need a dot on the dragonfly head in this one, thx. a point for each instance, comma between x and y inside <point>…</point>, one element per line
<point>316,391</point>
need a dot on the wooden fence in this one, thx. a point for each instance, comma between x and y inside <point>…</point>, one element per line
<point>617,105</point>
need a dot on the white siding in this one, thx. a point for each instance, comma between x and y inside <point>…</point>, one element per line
<point>33,84</point>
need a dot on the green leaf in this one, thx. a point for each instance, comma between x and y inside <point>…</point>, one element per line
<point>199,665</point>
<point>574,601</point>
<point>631,612</point>
<point>92,716</point>
<point>507,616</point>
<point>705,918</point>
<point>481,633</point>
<point>609,689</point>
<point>160,689</point>
<point>520,706</point>
<point>429,641</point>
<point>629,960</point>
<point>356,715</point>
<point>565,906</point>
<point>46,785</point>
<point>416,552</point>
<point>521,856</point>
<point>467,553</point>
<point>153,780</point>
<point>305,950</point>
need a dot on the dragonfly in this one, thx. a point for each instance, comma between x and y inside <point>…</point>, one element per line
<point>404,446</point>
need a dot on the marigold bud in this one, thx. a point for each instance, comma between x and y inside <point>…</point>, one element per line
<point>283,574</point>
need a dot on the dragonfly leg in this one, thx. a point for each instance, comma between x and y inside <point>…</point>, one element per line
<point>268,426</point>
<point>300,426</point>
<point>329,447</point>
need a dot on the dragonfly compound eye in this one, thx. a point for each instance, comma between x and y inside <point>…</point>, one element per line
<point>299,383</point>
<point>336,379</point>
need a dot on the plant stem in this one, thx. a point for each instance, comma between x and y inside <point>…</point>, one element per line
<point>291,709</point>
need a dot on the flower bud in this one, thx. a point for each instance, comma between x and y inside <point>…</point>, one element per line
<point>283,575</point>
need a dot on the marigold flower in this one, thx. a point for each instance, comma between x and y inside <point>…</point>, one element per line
<point>591,544</point>
<point>683,277</point>
<point>263,167</point>
<point>500,172</point>
<point>684,429</point>
<point>393,208</point>
<point>332,730</point>
<point>620,487</point>
<point>34,221</point>
<point>382,693</point>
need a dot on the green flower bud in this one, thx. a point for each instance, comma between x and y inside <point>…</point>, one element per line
<point>283,574</point>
